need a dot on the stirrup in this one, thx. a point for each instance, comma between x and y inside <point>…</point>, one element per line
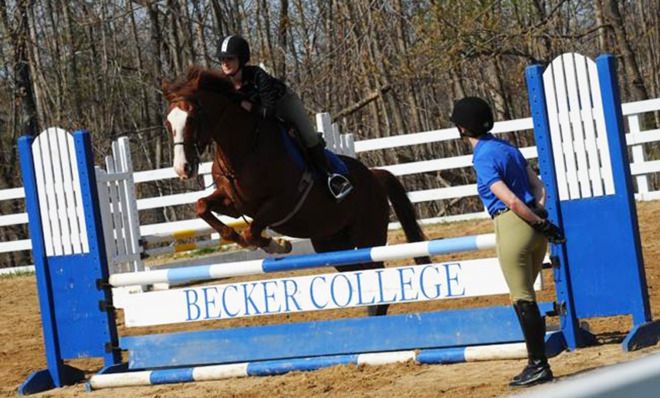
<point>341,186</point>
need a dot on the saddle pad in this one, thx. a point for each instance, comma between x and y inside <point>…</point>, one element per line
<point>295,152</point>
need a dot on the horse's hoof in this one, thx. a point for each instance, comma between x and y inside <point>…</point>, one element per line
<point>377,310</point>
<point>286,245</point>
<point>278,246</point>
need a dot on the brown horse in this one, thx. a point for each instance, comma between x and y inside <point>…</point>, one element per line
<point>256,177</point>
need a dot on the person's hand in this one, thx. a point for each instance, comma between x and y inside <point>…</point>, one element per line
<point>540,211</point>
<point>550,231</point>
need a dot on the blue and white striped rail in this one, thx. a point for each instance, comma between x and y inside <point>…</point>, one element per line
<point>304,261</point>
<point>278,367</point>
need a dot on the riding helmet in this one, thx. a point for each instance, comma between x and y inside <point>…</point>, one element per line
<point>474,115</point>
<point>234,46</point>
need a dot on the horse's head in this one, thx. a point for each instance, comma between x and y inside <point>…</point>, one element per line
<point>187,121</point>
<point>183,122</point>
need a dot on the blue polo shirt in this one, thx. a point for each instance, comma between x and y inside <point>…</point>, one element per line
<point>497,160</point>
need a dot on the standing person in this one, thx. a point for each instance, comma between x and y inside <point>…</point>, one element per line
<point>268,97</point>
<point>514,197</point>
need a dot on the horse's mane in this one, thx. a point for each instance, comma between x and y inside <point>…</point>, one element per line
<point>199,78</point>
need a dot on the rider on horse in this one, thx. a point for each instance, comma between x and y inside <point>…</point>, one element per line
<point>270,97</point>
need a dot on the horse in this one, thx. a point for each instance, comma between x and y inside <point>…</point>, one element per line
<point>255,176</point>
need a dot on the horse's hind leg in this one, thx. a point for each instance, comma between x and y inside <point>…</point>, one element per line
<point>370,232</point>
<point>372,310</point>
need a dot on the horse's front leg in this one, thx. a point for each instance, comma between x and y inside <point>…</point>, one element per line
<point>253,235</point>
<point>218,201</point>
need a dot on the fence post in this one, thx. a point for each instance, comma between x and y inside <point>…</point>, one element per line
<point>130,198</point>
<point>324,125</point>
<point>638,156</point>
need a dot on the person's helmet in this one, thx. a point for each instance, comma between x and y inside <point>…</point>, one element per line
<point>474,115</point>
<point>234,46</point>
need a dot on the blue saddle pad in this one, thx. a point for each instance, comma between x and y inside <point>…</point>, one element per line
<point>294,151</point>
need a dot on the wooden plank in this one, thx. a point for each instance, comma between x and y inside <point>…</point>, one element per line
<point>106,217</point>
<point>12,193</point>
<point>15,246</point>
<point>132,221</point>
<point>42,167</point>
<point>13,219</point>
<point>565,130</point>
<point>587,117</point>
<point>166,173</point>
<point>456,279</point>
<point>115,211</point>
<point>68,157</point>
<point>455,162</point>
<point>427,137</point>
<point>555,133</point>
<point>344,336</point>
<point>649,105</point>
<point>426,195</point>
<point>601,132</point>
<point>641,137</point>
<point>58,157</point>
<point>576,124</point>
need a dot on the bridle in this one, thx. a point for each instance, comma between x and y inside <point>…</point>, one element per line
<point>196,118</point>
<point>198,154</point>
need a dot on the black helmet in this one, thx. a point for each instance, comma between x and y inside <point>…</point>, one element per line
<point>234,46</point>
<point>474,115</point>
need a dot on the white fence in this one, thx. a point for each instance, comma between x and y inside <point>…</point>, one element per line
<point>641,169</point>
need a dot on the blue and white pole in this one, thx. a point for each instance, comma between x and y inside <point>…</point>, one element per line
<point>305,261</point>
<point>278,367</point>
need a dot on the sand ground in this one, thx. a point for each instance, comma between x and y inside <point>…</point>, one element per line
<point>21,348</point>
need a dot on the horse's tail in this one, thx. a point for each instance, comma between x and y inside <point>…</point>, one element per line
<point>403,208</point>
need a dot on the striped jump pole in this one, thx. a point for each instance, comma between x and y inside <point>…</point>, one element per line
<point>177,237</point>
<point>305,261</point>
<point>188,233</point>
<point>451,355</point>
<point>183,247</point>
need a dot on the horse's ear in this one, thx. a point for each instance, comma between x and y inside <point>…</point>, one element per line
<point>194,76</point>
<point>194,82</point>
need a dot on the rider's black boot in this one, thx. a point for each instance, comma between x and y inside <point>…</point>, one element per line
<point>532,324</point>
<point>338,185</point>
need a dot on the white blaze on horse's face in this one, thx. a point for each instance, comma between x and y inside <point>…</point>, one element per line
<point>177,119</point>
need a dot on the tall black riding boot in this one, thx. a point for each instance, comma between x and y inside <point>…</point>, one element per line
<point>532,324</point>
<point>338,185</point>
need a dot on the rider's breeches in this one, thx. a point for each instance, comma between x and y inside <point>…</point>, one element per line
<point>520,251</point>
<point>291,109</point>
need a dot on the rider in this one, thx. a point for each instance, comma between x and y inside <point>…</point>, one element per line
<point>515,197</point>
<point>267,96</point>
